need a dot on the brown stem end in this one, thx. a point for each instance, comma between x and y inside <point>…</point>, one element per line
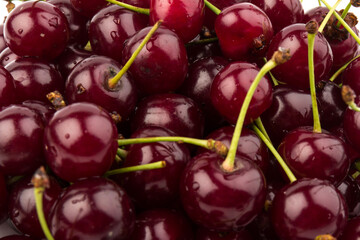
<point>312,27</point>
<point>40,178</point>
<point>325,237</point>
<point>347,94</point>
<point>281,56</point>
<point>56,99</point>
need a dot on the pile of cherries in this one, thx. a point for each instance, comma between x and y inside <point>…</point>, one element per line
<point>69,101</point>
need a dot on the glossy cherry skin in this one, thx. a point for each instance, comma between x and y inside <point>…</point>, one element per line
<point>290,109</point>
<point>88,8</point>
<point>250,145</point>
<point>161,65</point>
<point>230,87</point>
<point>178,113</point>
<point>220,200</point>
<point>351,125</point>
<point>307,208</point>
<point>111,26</point>
<point>244,31</point>
<point>206,234</point>
<point>80,141</point>
<point>77,23</point>
<point>88,82</point>
<point>316,13</point>
<point>160,187</point>
<point>22,210</point>
<point>3,199</point>
<point>7,56</point>
<point>350,190</point>
<point>184,17</point>
<point>162,224</point>
<point>16,237</point>
<point>93,208</point>
<point>7,88</point>
<point>22,133</point>
<point>34,79</point>
<point>2,40</point>
<point>352,230</point>
<point>350,75</point>
<point>295,72</point>
<point>37,29</point>
<point>281,13</point>
<point>45,110</point>
<point>320,155</point>
<point>198,51</point>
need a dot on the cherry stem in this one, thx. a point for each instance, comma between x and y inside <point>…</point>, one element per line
<point>88,47</point>
<point>344,13</point>
<point>279,57</point>
<point>113,81</point>
<point>325,237</point>
<point>355,175</point>
<point>209,144</point>
<point>275,82</point>
<point>131,7</point>
<point>312,28</point>
<point>338,72</point>
<point>202,41</point>
<point>212,7</point>
<point>346,26</point>
<point>318,1</point>
<point>328,16</point>
<point>260,125</point>
<point>40,181</point>
<point>348,96</point>
<point>122,153</point>
<point>118,159</point>
<point>144,167</point>
<point>280,160</point>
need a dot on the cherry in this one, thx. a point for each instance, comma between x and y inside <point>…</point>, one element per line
<point>88,8</point>
<point>88,82</point>
<point>22,210</point>
<point>307,208</point>
<point>93,208</point>
<point>3,199</point>
<point>353,153</point>
<point>352,127</point>
<point>161,224</point>
<point>21,143</point>
<point>178,113</point>
<point>350,190</point>
<point>7,88</point>
<point>36,28</point>
<point>184,17</point>
<point>111,26</point>
<point>198,51</point>
<point>34,79</point>
<point>2,40</point>
<point>206,234</point>
<point>316,13</point>
<point>161,65</point>
<point>352,230</point>
<point>16,237</point>
<point>349,75</point>
<point>244,31</point>
<point>295,72</point>
<point>230,87</point>
<point>46,111</point>
<point>7,56</point>
<point>80,141</point>
<point>281,13</point>
<point>220,200</point>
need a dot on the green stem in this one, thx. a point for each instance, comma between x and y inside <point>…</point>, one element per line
<point>346,26</point>
<point>338,72</point>
<point>144,167</point>
<point>212,7</point>
<point>122,153</point>
<point>113,81</point>
<point>145,11</point>
<point>260,125</point>
<point>354,107</point>
<point>344,13</point>
<point>355,174</point>
<point>280,160</point>
<point>202,41</point>
<point>275,82</point>
<point>39,192</point>
<point>315,110</point>
<point>319,3</point>
<point>328,15</point>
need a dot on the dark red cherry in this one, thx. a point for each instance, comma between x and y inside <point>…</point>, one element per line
<point>88,82</point>
<point>230,87</point>
<point>198,51</point>
<point>206,234</point>
<point>16,237</point>
<point>353,153</point>
<point>93,209</point>
<point>80,141</point>
<point>2,40</point>
<point>220,200</point>
<point>316,13</point>
<point>352,230</point>
<point>7,88</point>
<point>161,65</point>
<point>37,29</point>
<point>184,17</point>
<point>290,109</point>
<point>3,199</point>
<point>178,113</point>
<point>7,56</point>
<point>21,143</point>
<point>281,13</point>
<point>295,72</point>
<point>350,190</point>
<point>160,187</point>
<point>77,23</point>
<point>22,210</point>
<point>351,125</point>
<point>308,208</point>
<point>45,110</point>
<point>34,79</point>
<point>244,31</point>
<point>88,8</point>
<point>315,155</point>
<point>350,75</point>
<point>161,224</point>
<point>111,26</point>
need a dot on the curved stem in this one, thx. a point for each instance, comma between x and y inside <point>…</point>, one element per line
<point>212,7</point>
<point>122,153</point>
<point>354,107</point>
<point>144,167</point>
<point>260,125</point>
<point>344,13</point>
<point>328,15</point>
<point>275,82</point>
<point>280,160</point>
<point>338,72</point>
<point>145,11</point>
<point>113,81</point>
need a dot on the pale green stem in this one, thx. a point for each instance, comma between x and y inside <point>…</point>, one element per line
<point>275,82</point>
<point>113,81</point>
<point>355,175</point>
<point>346,26</point>
<point>260,125</point>
<point>354,107</point>
<point>228,164</point>
<point>144,167</point>
<point>145,11</point>
<point>280,160</point>
<point>328,16</point>
<point>122,153</point>
<point>212,7</point>
<point>338,72</point>
<point>39,192</point>
<point>343,15</point>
